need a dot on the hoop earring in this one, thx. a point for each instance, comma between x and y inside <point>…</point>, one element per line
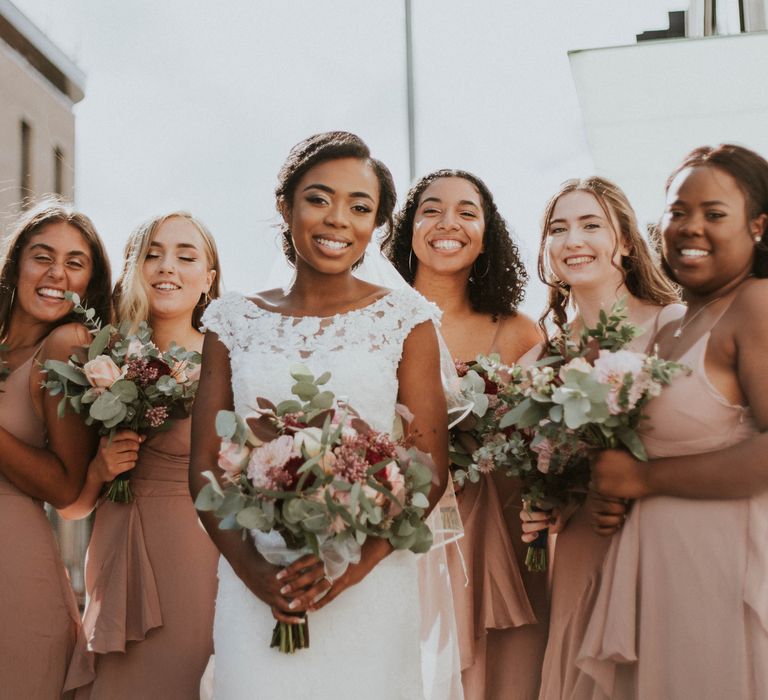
<point>13,298</point>
<point>205,300</point>
<point>485,272</point>
<point>410,262</point>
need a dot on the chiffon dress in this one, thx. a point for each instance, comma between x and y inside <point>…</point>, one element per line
<point>501,607</point>
<point>151,582</point>
<point>365,643</point>
<point>578,559</point>
<point>39,619</point>
<point>682,610</point>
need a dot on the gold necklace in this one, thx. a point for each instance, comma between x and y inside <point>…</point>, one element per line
<point>685,323</point>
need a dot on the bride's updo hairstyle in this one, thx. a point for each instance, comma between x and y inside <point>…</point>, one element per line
<point>320,148</point>
<point>130,296</point>
<point>750,170</point>
<point>640,271</point>
<point>498,278</point>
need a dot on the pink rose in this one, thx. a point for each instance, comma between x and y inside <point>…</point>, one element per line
<point>544,450</point>
<point>612,368</point>
<point>232,458</point>
<point>396,481</point>
<point>266,461</point>
<point>102,372</point>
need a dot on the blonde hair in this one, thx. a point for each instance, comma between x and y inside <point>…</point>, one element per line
<point>130,296</point>
<point>639,268</point>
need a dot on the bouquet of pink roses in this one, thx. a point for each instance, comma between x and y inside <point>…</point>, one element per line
<point>309,475</point>
<point>591,396</point>
<point>122,380</point>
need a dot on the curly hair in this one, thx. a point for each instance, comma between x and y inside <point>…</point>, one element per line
<point>499,286</point>
<point>640,271</point>
<point>750,170</point>
<point>51,210</point>
<point>320,148</point>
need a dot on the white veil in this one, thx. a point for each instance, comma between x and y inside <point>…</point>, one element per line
<point>441,665</point>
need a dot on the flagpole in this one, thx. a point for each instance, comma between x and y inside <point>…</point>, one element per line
<point>409,85</point>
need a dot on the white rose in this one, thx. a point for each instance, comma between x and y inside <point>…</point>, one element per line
<point>310,439</point>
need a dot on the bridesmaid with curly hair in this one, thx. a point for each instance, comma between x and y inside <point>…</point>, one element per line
<point>451,244</point>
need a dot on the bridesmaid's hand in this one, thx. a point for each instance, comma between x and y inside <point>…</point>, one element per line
<point>534,521</point>
<point>116,456</point>
<point>617,474</point>
<point>608,514</point>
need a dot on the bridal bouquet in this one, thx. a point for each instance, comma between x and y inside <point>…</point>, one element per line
<point>309,475</point>
<point>478,443</point>
<point>591,396</point>
<point>123,381</point>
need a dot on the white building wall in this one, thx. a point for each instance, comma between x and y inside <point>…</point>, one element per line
<point>645,106</point>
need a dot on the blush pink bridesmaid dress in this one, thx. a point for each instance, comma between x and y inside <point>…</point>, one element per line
<point>151,582</point>
<point>39,619</point>
<point>682,610</point>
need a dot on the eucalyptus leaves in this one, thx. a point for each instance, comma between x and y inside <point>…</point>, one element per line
<point>316,478</point>
<point>123,381</point>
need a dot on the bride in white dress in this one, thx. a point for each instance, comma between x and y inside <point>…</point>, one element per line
<point>381,348</point>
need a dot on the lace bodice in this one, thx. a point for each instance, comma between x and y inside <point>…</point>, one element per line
<point>361,349</point>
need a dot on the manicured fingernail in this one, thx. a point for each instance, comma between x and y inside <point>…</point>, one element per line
<point>293,604</point>
<point>285,589</point>
<point>281,574</point>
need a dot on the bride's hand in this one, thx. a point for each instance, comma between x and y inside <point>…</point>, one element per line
<point>265,581</point>
<point>310,589</point>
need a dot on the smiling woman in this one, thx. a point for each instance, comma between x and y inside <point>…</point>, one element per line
<point>42,457</point>
<point>379,347</point>
<point>149,563</point>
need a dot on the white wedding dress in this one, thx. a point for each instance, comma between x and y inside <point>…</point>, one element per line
<point>366,643</point>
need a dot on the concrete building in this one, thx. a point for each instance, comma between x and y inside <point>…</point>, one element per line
<point>648,104</point>
<point>39,86</point>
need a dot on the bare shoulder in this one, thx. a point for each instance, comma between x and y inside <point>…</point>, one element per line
<point>752,299</point>
<point>63,340</point>
<point>518,335</point>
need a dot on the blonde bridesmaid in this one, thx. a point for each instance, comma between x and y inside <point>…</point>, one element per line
<point>591,254</point>
<point>683,607</point>
<point>50,250</point>
<point>453,246</point>
<point>151,568</point>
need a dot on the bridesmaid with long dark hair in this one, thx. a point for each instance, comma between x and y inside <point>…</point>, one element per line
<point>151,569</point>
<point>451,243</point>
<point>51,249</point>
<point>683,606</point>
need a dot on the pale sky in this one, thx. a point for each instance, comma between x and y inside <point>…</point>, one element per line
<point>195,105</point>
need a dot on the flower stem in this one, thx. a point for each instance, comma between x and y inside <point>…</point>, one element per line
<point>290,638</point>
<point>120,489</point>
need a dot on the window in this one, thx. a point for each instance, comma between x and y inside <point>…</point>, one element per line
<point>25,181</point>
<point>58,171</point>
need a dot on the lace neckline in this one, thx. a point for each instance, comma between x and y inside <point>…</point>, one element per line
<point>291,317</point>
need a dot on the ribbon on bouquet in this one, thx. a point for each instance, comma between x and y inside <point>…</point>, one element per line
<point>336,553</point>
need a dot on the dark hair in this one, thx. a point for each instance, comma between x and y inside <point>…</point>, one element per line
<point>98,294</point>
<point>499,286</point>
<point>320,148</point>
<point>639,269</point>
<point>750,170</point>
